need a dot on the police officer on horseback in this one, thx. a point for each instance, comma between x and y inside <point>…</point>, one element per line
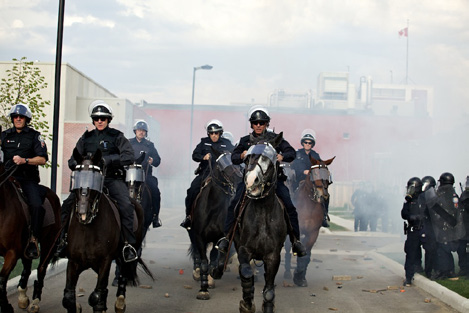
<point>117,152</point>
<point>447,224</point>
<point>26,148</point>
<point>141,144</point>
<point>203,154</point>
<point>260,119</point>
<point>302,164</point>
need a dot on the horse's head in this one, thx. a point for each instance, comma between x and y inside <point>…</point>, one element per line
<point>87,183</point>
<point>135,177</point>
<point>319,179</point>
<point>226,173</point>
<point>261,167</point>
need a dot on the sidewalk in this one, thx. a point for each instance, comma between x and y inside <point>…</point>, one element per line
<point>444,294</point>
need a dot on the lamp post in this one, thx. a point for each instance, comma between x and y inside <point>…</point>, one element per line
<point>203,67</point>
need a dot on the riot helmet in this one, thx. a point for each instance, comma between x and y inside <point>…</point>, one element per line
<point>258,114</point>
<point>141,124</point>
<point>214,126</point>
<point>308,134</point>
<point>414,188</point>
<point>21,110</point>
<point>446,179</point>
<point>99,108</point>
<point>428,182</point>
<point>229,136</point>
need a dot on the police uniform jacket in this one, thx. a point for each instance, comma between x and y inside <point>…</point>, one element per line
<point>205,146</point>
<point>116,149</point>
<point>27,144</point>
<point>245,143</point>
<point>148,147</point>
<point>303,163</point>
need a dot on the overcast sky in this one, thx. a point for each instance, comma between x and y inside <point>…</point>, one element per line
<point>147,49</point>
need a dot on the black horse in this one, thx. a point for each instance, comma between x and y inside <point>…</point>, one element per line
<point>94,238</point>
<point>209,214</point>
<point>14,234</point>
<point>139,191</point>
<point>262,229</point>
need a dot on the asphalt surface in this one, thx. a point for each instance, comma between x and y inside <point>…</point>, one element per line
<point>367,281</point>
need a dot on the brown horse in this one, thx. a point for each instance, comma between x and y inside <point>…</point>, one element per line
<point>94,238</point>
<point>14,234</point>
<point>311,199</point>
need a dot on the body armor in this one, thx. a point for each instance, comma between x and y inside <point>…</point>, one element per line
<point>445,214</point>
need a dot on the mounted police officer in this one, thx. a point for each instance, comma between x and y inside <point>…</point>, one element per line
<point>117,152</point>
<point>259,119</point>
<point>141,144</point>
<point>302,164</point>
<point>463,247</point>
<point>25,147</point>
<point>413,213</point>
<point>446,219</point>
<point>203,154</point>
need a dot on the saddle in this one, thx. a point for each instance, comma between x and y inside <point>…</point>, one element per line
<point>115,210</point>
<point>49,217</point>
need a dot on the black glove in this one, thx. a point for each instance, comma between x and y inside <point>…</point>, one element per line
<point>72,164</point>
<point>112,159</point>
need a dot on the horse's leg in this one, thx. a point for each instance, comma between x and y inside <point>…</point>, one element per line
<point>23,300</point>
<point>69,299</point>
<point>299,276</point>
<point>196,259</point>
<point>98,297</point>
<point>9,264</point>
<point>271,266</point>
<point>203,292</point>
<point>287,273</point>
<point>213,264</point>
<point>247,283</point>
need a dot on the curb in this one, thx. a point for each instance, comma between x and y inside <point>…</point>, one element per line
<point>445,295</point>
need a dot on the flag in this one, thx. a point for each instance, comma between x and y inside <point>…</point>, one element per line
<point>403,32</point>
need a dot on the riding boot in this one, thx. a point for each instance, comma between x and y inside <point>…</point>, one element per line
<point>223,244</point>
<point>324,221</point>
<point>187,222</point>
<point>156,222</point>
<point>129,253</point>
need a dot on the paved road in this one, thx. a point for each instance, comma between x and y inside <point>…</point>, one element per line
<point>341,253</point>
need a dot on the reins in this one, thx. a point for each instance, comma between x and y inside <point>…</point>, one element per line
<point>9,172</point>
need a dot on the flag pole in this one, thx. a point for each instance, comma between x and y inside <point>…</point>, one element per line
<point>407,57</point>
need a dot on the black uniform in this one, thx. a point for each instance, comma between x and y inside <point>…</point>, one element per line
<point>282,192</point>
<point>148,147</point>
<point>419,234</point>
<point>204,147</point>
<point>463,247</point>
<point>448,228</point>
<point>27,144</point>
<point>302,163</point>
<point>117,152</point>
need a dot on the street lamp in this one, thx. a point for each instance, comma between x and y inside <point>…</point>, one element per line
<point>203,67</point>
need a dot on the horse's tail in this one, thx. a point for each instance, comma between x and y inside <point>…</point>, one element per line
<point>145,268</point>
<point>129,271</point>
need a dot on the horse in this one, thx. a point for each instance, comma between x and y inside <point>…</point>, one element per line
<point>209,214</point>
<point>14,234</point>
<point>135,178</point>
<point>261,227</point>
<point>94,238</point>
<point>310,200</point>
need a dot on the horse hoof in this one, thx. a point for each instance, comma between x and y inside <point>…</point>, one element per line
<point>34,306</point>
<point>203,295</point>
<point>211,282</point>
<point>79,309</point>
<point>23,300</point>
<point>196,274</point>
<point>287,275</point>
<point>244,308</point>
<point>119,306</point>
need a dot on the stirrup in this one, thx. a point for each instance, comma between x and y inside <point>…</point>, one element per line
<point>222,245</point>
<point>131,254</point>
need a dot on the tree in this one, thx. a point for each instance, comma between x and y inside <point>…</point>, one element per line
<point>23,84</point>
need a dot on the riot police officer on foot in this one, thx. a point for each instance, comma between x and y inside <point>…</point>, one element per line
<point>141,144</point>
<point>413,213</point>
<point>446,219</point>
<point>259,119</point>
<point>25,147</point>
<point>302,164</point>
<point>203,154</point>
<point>117,152</point>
